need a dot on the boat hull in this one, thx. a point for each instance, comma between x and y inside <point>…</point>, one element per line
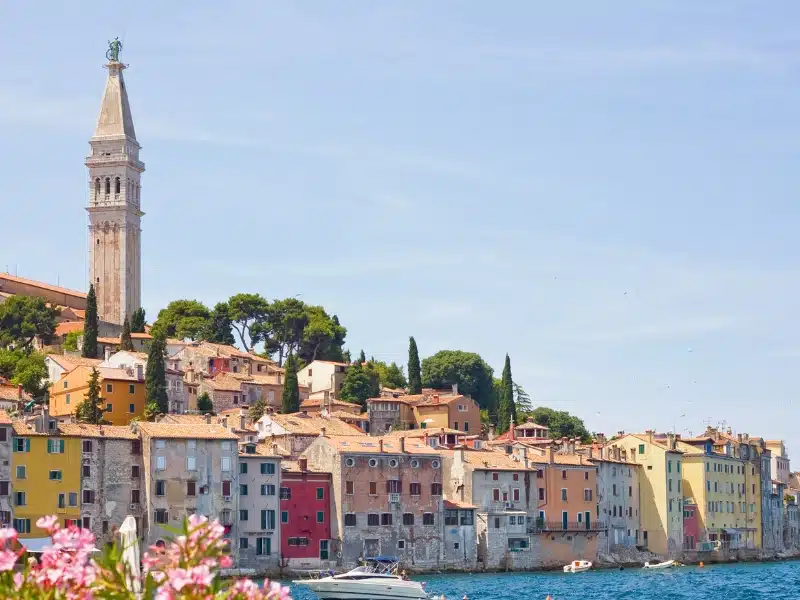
<point>344,590</point>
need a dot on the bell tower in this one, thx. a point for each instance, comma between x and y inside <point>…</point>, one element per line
<point>114,200</point>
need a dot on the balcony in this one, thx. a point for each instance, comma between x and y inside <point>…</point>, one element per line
<point>539,526</point>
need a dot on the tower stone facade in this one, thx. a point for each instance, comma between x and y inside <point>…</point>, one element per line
<point>114,204</point>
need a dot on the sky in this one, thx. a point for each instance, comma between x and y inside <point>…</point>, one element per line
<point>601,190</point>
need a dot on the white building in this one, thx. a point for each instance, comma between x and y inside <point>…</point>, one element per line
<point>617,497</point>
<point>322,377</point>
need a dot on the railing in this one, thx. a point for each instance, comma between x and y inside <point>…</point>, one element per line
<point>538,526</point>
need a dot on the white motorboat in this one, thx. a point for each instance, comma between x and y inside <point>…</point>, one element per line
<point>374,581</point>
<point>577,566</point>
<point>662,565</point>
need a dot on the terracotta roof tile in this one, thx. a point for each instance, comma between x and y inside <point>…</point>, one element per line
<point>347,416</point>
<point>4,418</point>
<point>262,449</point>
<point>300,424</point>
<point>183,419</point>
<point>489,460</point>
<point>198,431</point>
<point>70,362</point>
<point>314,402</point>
<point>42,285</point>
<point>223,382</point>
<point>372,445</point>
<point>12,393</point>
<point>68,327</point>
<point>23,429</point>
<point>96,431</point>
<point>452,504</point>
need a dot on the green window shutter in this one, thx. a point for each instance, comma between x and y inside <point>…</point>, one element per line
<point>269,546</point>
<point>263,519</point>
<point>61,446</point>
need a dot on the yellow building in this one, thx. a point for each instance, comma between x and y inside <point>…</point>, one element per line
<point>660,489</point>
<point>720,474</point>
<point>46,477</point>
<point>122,393</point>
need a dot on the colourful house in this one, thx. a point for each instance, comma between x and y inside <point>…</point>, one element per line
<point>122,393</point>
<point>46,476</point>
<point>305,498</point>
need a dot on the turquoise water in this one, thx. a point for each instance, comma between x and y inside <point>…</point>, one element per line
<point>773,581</point>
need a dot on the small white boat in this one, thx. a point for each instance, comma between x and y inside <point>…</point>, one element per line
<point>374,581</point>
<point>577,566</point>
<point>662,565</point>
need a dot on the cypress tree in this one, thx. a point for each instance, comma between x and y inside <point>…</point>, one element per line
<point>156,378</point>
<point>90,325</point>
<point>138,321</point>
<point>506,411</point>
<point>125,341</point>
<point>362,358</point>
<point>204,404</point>
<point>291,389</point>
<point>414,377</point>
<point>89,411</point>
<point>257,410</point>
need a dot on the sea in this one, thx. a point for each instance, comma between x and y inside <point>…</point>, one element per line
<point>740,581</point>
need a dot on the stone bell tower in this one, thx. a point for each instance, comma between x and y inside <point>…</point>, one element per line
<point>114,201</point>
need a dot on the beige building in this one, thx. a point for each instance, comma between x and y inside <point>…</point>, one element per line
<point>323,378</point>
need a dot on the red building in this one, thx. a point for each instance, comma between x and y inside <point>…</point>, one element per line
<point>691,526</point>
<point>305,516</point>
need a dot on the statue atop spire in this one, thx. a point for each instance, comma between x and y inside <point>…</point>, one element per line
<point>114,48</point>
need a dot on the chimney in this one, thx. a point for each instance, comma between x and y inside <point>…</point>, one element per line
<point>19,392</point>
<point>491,432</point>
<point>402,444</point>
<point>321,432</point>
<point>106,352</point>
<point>380,445</point>
<point>549,455</point>
<point>425,438</point>
<point>274,448</point>
<point>436,398</point>
<point>524,453</point>
<point>649,433</point>
<point>208,418</point>
<point>242,418</point>
<point>511,433</point>
<point>460,454</point>
<point>671,441</point>
<point>455,389</point>
<point>139,372</point>
<point>303,463</point>
<point>739,437</point>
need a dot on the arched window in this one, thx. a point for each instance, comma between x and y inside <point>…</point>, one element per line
<point>108,185</point>
<point>116,186</point>
<point>97,186</point>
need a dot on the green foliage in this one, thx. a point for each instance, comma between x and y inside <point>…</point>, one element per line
<point>467,369</point>
<point>71,340</point>
<point>522,401</point>
<point>506,411</point>
<point>27,369</point>
<point>291,389</point>
<point>390,376</point>
<point>414,377</point>
<point>23,318</point>
<point>359,384</point>
<point>561,423</point>
<point>138,321</point>
<point>125,341</point>
<point>204,404</point>
<point>258,409</point>
<point>323,336</point>
<point>248,314</point>
<point>362,358</point>
<point>218,329</point>
<point>182,319</point>
<point>282,330</point>
<point>156,376</point>
<point>90,325</point>
<point>90,411</point>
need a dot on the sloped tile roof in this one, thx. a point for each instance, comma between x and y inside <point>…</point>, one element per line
<point>198,431</point>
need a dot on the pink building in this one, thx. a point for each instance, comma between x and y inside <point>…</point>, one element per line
<point>691,525</point>
<point>305,499</point>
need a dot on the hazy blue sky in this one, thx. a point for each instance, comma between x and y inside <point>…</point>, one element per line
<point>604,190</point>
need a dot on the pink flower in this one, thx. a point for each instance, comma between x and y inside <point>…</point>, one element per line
<point>19,579</point>
<point>201,576</point>
<point>6,534</point>
<point>178,579</point>
<point>49,524</point>
<point>225,562</point>
<point>7,560</point>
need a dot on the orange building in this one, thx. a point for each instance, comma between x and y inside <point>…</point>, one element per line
<point>122,393</point>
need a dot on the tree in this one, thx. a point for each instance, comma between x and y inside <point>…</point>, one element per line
<point>390,376</point>
<point>204,404</point>
<point>362,358</point>
<point>125,341</point>
<point>561,423</point>
<point>23,318</point>
<point>522,401</point>
<point>323,336</point>
<point>359,384</point>
<point>156,376</point>
<point>71,340</point>
<point>182,319</point>
<point>89,410</point>
<point>291,389</point>
<point>258,409</point>
<point>467,369</point>
<point>138,321</point>
<point>27,369</point>
<point>248,314</point>
<point>283,328</point>
<point>506,412</point>
<point>90,325</point>
<point>218,329</point>
<point>414,378</point>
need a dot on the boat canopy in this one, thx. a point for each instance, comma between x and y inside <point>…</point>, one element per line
<point>384,559</point>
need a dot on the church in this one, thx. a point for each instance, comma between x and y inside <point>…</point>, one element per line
<point>114,207</point>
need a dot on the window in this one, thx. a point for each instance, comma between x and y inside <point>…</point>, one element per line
<point>267,519</point>
<point>87,468</point>
<point>55,475</point>
<point>243,543</point>
<point>242,468</point>
<point>401,544</point>
<point>320,516</point>
<point>386,519</point>
<point>21,472</point>
<point>88,497</point>
<point>349,520</point>
<point>427,518</point>
<point>495,494</point>
<point>286,493</point>
<point>191,464</point>
<point>20,499</point>
<point>466,517</point>
<point>268,468</point>
<point>586,475</point>
<point>161,463</point>
<point>243,489</point>
<point>109,388</point>
<point>135,498</point>
<point>87,523</point>
<point>268,489</point>
<point>416,489</point>
<point>373,488</point>
<point>105,526</point>
<point>349,488</point>
<point>284,516</point>
<point>4,489</point>
<point>160,516</point>
<point>541,493</point>
<point>436,489</point>
<point>321,493</point>
<point>72,497</point>
<point>109,407</point>
<point>515,477</point>
<point>55,446</point>
<point>495,476</point>
<point>22,525</point>
<point>515,494</point>
<point>263,546</point>
<point>87,446</point>
<point>373,520</point>
<point>408,519</point>
<point>563,494</point>
<point>563,474</point>
<point>66,398</point>
<point>136,447</point>
<point>160,487</point>
<point>22,445</point>
<point>191,488</point>
<point>160,444</point>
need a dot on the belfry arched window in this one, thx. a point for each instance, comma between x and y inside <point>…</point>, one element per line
<point>96,186</point>
<point>116,186</point>
<point>108,185</point>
